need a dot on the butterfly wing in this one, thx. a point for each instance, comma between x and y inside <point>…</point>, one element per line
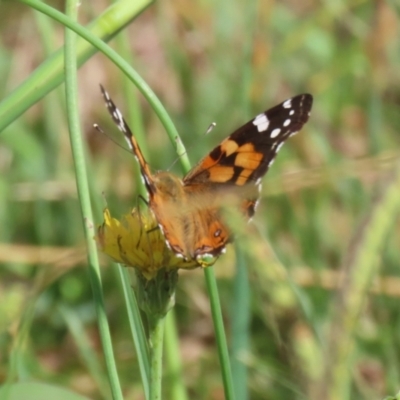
<point>130,139</point>
<point>246,155</point>
<point>229,175</point>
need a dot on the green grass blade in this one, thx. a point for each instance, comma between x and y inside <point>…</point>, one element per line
<point>240,317</point>
<point>50,73</point>
<point>137,330</point>
<point>125,68</point>
<point>82,341</point>
<point>172,352</point>
<point>84,200</point>
<point>219,333</point>
<point>360,268</point>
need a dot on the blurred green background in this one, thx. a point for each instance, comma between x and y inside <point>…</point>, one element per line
<point>323,263</point>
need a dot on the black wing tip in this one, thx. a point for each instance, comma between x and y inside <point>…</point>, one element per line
<point>308,100</point>
<point>308,97</point>
<point>105,94</point>
<point>305,98</point>
<point>301,102</point>
<point>305,102</point>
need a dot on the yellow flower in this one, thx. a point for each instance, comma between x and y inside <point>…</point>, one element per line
<point>138,242</point>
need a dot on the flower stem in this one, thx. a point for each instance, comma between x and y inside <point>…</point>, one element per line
<point>156,336</point>
<point>156,297</point>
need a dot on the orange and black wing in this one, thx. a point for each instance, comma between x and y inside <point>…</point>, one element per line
<point>246,155</point>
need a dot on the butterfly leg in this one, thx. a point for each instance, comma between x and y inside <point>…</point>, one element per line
<point>142,230</point>
<point>145,201</point>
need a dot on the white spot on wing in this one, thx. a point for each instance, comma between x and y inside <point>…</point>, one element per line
<point>287,104</point>
<point>291,112</point>
<point>287,122</point>
<point>279,146</point>
<point>275,133</point>
<point>261,122</point>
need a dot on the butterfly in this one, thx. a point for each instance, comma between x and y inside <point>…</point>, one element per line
<point>188,210</point>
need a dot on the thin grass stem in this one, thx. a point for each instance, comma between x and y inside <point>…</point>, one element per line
<point>173,358</point>
<point>84,199</point>
<point>220,335</point>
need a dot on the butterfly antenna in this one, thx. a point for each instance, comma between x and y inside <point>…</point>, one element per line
<point>178,140</point>
<point>99,129</point>
<point>211,127</point>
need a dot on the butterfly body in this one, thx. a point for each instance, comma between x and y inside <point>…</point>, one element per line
<point>191,228</point>
<point>189,211</point>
